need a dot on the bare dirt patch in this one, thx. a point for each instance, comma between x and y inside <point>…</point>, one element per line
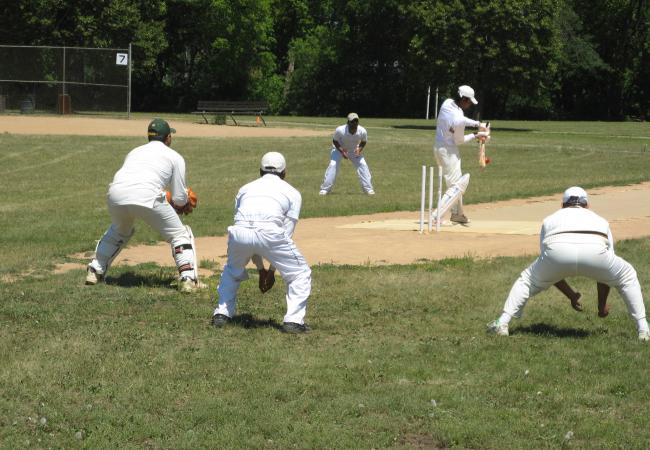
<point>507,228</point>
<point>91,126</point>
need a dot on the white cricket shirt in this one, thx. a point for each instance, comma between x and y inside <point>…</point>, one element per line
<point>575,219</point>
<point>347,140</point>
<point>146,172</point>
<point>269,199</point>
<point>451,123</point>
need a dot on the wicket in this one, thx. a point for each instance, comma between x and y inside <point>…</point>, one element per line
<point>423,197</point>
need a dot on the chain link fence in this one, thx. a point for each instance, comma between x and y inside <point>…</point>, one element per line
<point>65,80</point>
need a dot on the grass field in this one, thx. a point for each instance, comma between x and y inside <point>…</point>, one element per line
<point>398,357</point>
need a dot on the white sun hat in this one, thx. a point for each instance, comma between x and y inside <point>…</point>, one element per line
<point>273,162</point>
<point>466,91</point>
<point>576,193</point>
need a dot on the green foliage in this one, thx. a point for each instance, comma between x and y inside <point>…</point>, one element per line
<point>311,58</point>
<point>526,58</point>
<point>506,49</point>
<point>620,30</point>
<point>218,50</point>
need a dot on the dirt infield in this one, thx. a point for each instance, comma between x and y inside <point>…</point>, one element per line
<point>508,228</point>
<point>91,126</point>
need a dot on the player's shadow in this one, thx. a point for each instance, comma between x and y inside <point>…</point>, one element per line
<point>415,127</point>
<point>133,279</point>
<point>543,329</point>
<point>249,322</point>
<point>433,127</point>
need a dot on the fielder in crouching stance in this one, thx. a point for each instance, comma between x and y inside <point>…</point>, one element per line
<point>575,241</point>
<point>138,191</point>
<point>266,214</point>
<point>348,143</point>
<point>450,129</point>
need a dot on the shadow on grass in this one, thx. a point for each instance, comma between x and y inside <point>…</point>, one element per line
<point>542,329</point>
<point>415,127</point>
<point>248,321</point>
<point>433,127</point>
<point>133,279</point>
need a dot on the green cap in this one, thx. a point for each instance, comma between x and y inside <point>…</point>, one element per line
<point>158,129</point>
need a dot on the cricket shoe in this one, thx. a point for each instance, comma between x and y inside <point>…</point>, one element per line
<point>187,285</point>
<point>500,329</point>
<point>322,192</point>
<point>92,277</point>
<point>370,192</point>
<point>644,336</point>
<point>295,328</point>
<point>220,320</point>
<point>459,218</point>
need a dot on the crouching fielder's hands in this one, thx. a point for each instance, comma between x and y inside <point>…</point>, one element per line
<point>267,279</point>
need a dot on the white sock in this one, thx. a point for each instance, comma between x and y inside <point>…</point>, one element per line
<point>642,325</point>
<point>505,318</point>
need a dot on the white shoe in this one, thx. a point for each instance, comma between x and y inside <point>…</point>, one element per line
<point>644,336</point>
<point>92,277</point>
<point>322,192</point>
<point>500,329</point>
<point>187,285</point>
<point>370,192</point>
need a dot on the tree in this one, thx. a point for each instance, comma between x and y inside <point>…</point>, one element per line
<point>219,49</point>
<point>506,49</point>
<point>620,31</point>
<point>580,68</point>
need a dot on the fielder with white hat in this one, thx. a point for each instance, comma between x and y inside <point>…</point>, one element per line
<point>348,143</point>
<point>450,133</point>
<point>266,214</point>
<point>575,241</point>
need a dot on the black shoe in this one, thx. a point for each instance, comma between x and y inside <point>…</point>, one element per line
<point>295,328</point>
<point>219,320</point>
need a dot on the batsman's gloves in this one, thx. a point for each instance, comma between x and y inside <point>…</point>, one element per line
<point>187,208</point>
<point>267,280</point>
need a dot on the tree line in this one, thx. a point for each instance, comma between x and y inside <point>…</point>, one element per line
<point>526,59</point>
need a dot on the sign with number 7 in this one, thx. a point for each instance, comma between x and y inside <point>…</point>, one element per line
<point>122,59</point>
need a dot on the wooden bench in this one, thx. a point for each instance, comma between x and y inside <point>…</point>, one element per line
<point>210,107</point>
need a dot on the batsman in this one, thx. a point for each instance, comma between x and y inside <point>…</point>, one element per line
<point>138,192</point>
<point>450,133</point>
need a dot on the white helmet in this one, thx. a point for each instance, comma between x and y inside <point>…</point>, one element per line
<point>273,162</point>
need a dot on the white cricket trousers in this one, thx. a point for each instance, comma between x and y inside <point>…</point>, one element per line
<point>574,254</point>
<point>161,217</point>
<point>272,244</point>
<point>359,163</point>
<point>449,159</point>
